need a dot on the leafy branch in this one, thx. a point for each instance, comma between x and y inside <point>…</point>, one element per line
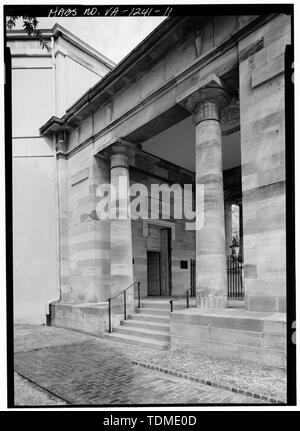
<point>30,26</point>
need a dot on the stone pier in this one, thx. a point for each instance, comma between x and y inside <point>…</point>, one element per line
<point>62,190</point>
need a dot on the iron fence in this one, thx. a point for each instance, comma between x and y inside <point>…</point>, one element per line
<point>235,278</point>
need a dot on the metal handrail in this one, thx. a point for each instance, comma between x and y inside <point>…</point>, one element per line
<point>186,293</point>
<point>125,310</point>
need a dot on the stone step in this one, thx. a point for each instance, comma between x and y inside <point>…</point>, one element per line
<point>234,319</point>
<point>143,333</point>
<point>155,304</point>
<point>149,317</point>
<point>163,305</point>
<point>159,326</point>
<point>153,311</point>
<point>144,342</point>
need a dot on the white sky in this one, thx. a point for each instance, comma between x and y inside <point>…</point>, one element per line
<point>113,37</point>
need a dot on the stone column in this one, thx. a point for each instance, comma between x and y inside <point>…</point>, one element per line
<point>120,233</point>
<point>211,280</point>
<point>228,227</point>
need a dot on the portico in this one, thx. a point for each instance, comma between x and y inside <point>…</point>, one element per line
<point>111,133</point>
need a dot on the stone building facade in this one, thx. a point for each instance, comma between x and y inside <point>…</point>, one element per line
<point>44,83</point>
<point>200,101</point>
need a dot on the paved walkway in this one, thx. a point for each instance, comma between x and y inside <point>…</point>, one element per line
<point>86,370</point>
<point>30,394</point>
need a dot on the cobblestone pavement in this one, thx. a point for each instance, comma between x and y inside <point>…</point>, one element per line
<point>87,370</point>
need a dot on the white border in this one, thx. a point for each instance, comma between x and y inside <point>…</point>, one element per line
<point>2,227</point>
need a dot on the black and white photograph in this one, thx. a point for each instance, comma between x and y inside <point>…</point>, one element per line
<point>150,207</point>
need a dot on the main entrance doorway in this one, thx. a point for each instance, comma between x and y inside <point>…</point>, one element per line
<point>159,261</point>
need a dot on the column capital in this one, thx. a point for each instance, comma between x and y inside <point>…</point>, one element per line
<point>120,151</point>
<point>205,99</point>
<point>210,94</point>
<point>121,146</point>
<point>205,111</point>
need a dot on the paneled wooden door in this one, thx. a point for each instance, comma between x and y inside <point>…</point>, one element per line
<point>153,267</point>
<point>165,263</point>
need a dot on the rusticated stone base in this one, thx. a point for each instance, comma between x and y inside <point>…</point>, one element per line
<point>238,335</point>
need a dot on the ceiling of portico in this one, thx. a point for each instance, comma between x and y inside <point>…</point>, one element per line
<point>177,145</point>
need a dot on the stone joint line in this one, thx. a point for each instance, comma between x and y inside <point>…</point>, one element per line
<point>209,383</point>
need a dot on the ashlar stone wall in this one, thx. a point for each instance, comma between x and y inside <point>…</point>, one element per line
<point>263,163</point>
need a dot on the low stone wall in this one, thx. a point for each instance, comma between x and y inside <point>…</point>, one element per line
<point>91,319</point>
<point>238,335</point>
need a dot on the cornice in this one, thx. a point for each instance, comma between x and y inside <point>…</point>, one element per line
<point>56,31</point>
<point>65,123</point>
<point>82,104</point>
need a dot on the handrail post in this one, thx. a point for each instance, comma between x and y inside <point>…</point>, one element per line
<point>139,295</point>
<point>171,304</point>
<point>124,304</point>
<point>187,299</point>
<point>109,316</point>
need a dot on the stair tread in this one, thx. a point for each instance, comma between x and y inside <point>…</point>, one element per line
<point>161,310</point>
<point>138,322</point>
<point>167,304</point>
<point>151,315</point>
<point>177,300</point>
<point>138,339</point>
<point>141,330</point>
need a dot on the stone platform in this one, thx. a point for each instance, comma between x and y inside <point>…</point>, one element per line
<point>235,334</point>
<point>91,318</point>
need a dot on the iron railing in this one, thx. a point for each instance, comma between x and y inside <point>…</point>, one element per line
<point>125,306</point>
<point>193,277</point>
<point>235,285</point>
<point>187,294</point>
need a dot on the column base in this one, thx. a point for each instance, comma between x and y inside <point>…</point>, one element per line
<point>211,302</point>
